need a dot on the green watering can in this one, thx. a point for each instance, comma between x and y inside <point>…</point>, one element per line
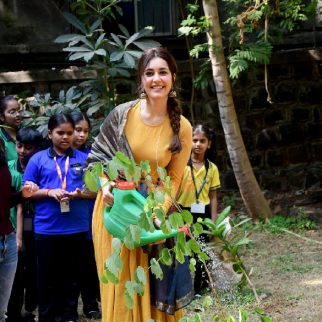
<point>126,210</point>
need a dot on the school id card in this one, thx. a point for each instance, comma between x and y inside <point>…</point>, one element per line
<point>198,208</point>
<point>64,206</point>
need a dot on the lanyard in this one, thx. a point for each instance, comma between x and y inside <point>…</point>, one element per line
<point>194,181</point>
<point>63,181</point>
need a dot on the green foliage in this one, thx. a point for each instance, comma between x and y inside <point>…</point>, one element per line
<point>230,200</point>
<point>245,38</point>
<point>258,52</point>
<point>275,224</point>
<point>106,57</point>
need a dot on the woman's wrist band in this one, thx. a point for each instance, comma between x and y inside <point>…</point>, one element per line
<point>47,194</point>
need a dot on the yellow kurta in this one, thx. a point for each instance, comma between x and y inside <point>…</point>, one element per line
<point>147,143</point>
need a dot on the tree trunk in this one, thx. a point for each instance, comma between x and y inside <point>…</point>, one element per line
<point>250,191</point>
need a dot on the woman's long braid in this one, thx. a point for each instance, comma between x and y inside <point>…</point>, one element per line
<point>174,111</point>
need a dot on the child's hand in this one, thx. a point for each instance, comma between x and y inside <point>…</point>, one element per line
<point>75,194</point>
<point>58,194</point>
<point>19,243</point>
<point>28,189</point>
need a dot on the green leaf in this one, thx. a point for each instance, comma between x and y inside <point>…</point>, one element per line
<point>123,158</point>
<point>187,217</point>
<point>116,244</point>
<point>134,37</point>
<point>129,60</point>
<point>198,317</point>
<point>159,196</point>
<point>117,40</point>
<point>135,233</point>
<point>104,279</point>
<point>124,31</point>
<point>207,301</point>
<point>203,256</point>
<point>165,257</point>
<point>160,213</point>
<point>145,222</point>
<point>139,288</point>
<point>100,52</point>
<point>242,241</point>
<point>156,269</point>
<point>197,229</point>
<point>139,275</point>
<point>68,38</point>
<point>95,25</point>
<point>166,227</point>
<point>145,166</point>
<point>194,246</point>
<point>75,22</point>
<point>192,265</point>
<point>179,254</point>
<point>112,169</point>
<point>222,215</point>
<point>129,294</point>
<point>111,271</point>
<point>91,181</point>
<point>175,220</point>
<point>116,55</point>
<point>99,41</point>
<point>243,315</point>
<point>77,49</point>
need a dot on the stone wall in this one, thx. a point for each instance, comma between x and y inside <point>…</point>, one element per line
<point>283,138</point>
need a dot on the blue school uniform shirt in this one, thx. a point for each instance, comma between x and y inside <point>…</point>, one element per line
<point>41,169</point>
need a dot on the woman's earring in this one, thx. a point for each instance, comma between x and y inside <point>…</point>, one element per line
<point>143,95</point>
<point>172,93</point>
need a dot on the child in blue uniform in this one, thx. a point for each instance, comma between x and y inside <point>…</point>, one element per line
<point>28,142</point>
<point>61,221</point>
<point>198,188</point>
<point>89,279</point>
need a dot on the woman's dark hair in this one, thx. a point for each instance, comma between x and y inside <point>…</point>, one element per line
<point>79,116</point>
<point>58,119</point>
<point>3,159</point>
<point>210,153</point>
<point>29,136</point>
<point>174,109</point>
<point>4,103</point>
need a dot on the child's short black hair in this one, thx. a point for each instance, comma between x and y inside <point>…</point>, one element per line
<point>29,136</point>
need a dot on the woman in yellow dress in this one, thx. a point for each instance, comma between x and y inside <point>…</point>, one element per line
<point>150,128</point>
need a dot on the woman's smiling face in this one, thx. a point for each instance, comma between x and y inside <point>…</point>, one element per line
<point>157,79</point>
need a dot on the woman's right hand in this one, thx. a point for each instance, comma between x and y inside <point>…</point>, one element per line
<point>108,197</point>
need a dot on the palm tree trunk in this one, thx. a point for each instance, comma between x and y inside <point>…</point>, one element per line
<point>253,197</point>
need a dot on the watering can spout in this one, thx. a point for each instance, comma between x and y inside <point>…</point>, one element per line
<point>126,210</point>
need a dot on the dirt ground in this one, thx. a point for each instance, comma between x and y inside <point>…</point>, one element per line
<point>287,273</point>
<point>286,269</point>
